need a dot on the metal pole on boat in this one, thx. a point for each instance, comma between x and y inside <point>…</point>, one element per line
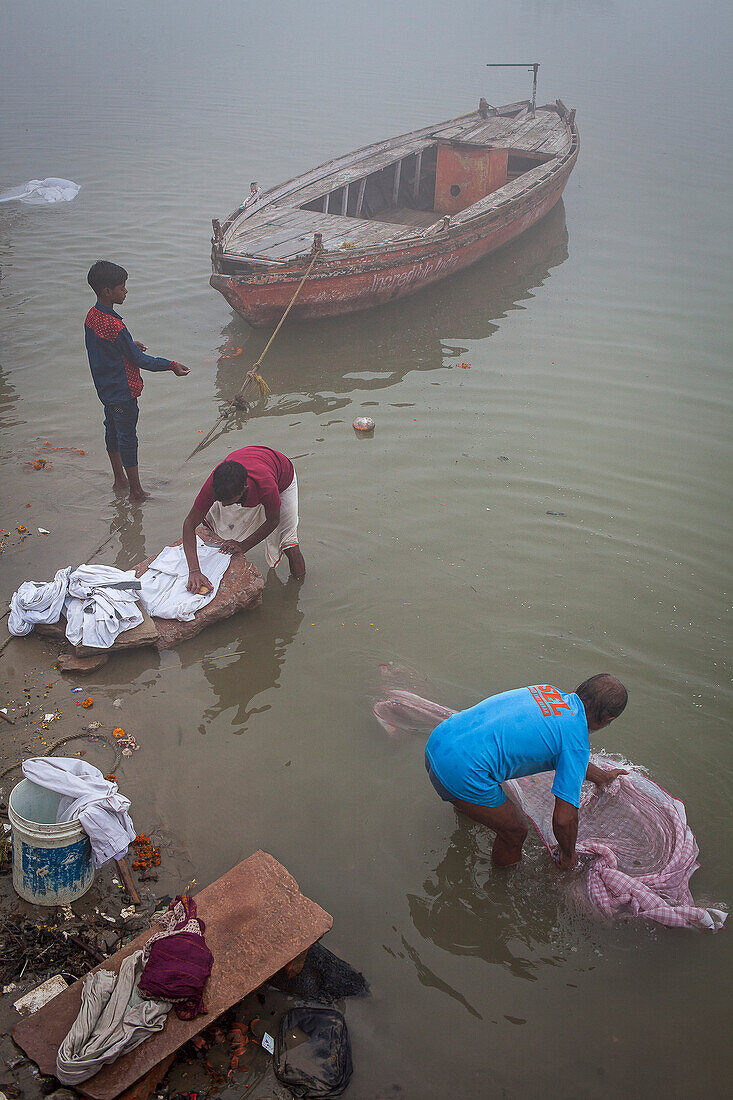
<point>531,67</point>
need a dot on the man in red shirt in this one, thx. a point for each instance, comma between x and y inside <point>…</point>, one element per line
<point>249,498</point>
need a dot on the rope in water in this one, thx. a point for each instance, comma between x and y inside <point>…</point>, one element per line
<point>73,737</point>
<point>253,376</point>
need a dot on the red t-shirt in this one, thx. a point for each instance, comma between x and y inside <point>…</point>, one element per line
<point>268,474</point>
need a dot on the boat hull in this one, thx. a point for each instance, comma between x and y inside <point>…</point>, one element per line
<point>340,283</point>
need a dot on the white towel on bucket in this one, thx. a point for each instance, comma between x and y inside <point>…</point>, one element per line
<point>88,796</point>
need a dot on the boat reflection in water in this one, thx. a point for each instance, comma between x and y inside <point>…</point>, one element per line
<point>314,369</point>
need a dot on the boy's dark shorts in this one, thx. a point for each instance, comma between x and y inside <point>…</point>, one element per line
<point>120,422</point>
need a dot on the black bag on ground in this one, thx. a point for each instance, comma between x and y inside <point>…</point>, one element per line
<point>312,1052</point>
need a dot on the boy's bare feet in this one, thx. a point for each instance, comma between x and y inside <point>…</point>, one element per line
<point>118,470</point>
<point>137,493</point>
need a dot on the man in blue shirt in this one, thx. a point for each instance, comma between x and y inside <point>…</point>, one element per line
<point>115,360</point>
<point>522,732</point>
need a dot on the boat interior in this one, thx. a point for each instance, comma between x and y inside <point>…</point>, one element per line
<point>399,188</point>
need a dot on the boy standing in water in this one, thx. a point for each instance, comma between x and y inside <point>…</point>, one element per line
<point>115,360</point>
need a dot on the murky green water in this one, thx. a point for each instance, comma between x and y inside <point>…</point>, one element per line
<point>561,508</point>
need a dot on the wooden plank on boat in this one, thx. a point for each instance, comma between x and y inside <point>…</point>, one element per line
<point>353,172</point>
<point>286,250</point>
<point>360,196</point>
<point>558,143</point>
<point>396,184</point>
<point>257,921</point>
<point>418,170</point>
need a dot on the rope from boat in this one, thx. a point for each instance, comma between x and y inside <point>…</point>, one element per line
<point>253,376</point>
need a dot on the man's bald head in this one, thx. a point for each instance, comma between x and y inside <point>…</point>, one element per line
<point>604,698</point>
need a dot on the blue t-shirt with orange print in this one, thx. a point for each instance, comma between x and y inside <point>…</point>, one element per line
<point>520,732</point>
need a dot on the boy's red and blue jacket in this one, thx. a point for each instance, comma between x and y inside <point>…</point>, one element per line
<point>114,357</point>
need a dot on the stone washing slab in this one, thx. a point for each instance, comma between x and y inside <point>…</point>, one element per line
<point>241,588</point>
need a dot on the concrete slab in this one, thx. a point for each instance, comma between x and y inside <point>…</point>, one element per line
<point>257,921</point>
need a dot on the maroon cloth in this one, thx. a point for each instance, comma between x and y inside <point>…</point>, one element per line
<point>268,474</point>
<point>177,960</point>
<point>177,970</point>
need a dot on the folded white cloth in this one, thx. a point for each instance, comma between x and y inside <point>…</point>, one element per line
<point>102,603</point>
<point>113,1019</point>
<point>88,796</point>
<point>38,602</point>
<point>163,591</point>
<point>41,192</point>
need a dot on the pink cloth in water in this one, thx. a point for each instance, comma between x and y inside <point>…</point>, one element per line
<point>641,853</point>
<point>637,851</point>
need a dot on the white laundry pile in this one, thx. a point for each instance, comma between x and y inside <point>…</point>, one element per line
<point>38,602</point>
<point>163,591</point>
<point>42,192</point>
<point>102,602</point>
<point>99,601</point>
<point>87,796</point>
<point>113,1019</point>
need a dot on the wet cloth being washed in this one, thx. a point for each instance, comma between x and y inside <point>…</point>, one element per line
<point>101,604</point>
<point>177,960</point>
<point>639,851</point>
<point>112,1020</point>
<point>163,592</point>
<point>88,796</point>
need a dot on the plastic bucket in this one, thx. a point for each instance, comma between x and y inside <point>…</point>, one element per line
<point>52,861</point>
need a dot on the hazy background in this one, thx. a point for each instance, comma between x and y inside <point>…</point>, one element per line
<point>600,389</point>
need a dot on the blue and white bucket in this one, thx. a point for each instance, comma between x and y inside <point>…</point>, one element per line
<point>52,860</point>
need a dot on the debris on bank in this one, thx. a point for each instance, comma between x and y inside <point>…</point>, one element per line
<point>266,963</point>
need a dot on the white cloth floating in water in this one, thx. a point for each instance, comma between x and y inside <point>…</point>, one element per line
<point>88,796</point>
<point>42,192</point>
<point>163,591</point>
<point>99,601</point>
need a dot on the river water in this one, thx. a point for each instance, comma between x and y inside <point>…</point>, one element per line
<point>559,509</point>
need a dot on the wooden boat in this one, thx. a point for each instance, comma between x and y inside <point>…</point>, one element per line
<point>395,216</point>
